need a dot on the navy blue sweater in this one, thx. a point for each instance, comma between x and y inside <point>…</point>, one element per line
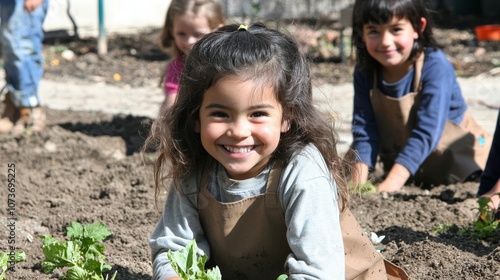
<point>441,100</point>
<point>491,172</point>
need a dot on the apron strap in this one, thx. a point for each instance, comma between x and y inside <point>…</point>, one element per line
<point>273,180</point>
<point>271,196</point>
<point>417,84</point>
<point>419,64</point>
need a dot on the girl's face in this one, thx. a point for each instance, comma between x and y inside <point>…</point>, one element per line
<point>240,125</point>
<point>188,28</point>
<point>390,44</point>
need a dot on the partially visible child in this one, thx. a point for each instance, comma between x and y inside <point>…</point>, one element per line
<point>256,177</point>
<point>408,105</point>
<point>185,23</point>
<point>490,179</point>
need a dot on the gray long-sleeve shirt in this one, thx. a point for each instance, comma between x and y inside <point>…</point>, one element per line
<point>308,196</point>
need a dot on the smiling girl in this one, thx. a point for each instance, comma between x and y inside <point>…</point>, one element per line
<point>408,105</point>
<point>256,178</point>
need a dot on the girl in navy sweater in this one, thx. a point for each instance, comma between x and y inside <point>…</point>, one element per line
<point>408,106</point>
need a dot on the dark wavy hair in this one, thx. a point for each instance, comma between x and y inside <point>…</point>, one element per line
<point>382,12</point>
<point>266,57</point>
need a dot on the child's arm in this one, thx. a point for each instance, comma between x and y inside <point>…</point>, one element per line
<point>440,101</point>
<point>178,225</point>
<point>364,127</point>
<point>359,173</point>
<point>170,100</point>
<point>395,180</point>
<point>172,78</point>
<point>309,199</point>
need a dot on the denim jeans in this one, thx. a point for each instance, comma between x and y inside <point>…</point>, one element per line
<point>21,38</point>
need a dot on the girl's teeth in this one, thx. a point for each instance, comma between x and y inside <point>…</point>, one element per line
<point>238,150</point>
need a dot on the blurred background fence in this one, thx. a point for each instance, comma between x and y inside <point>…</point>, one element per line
<point>131,15</point>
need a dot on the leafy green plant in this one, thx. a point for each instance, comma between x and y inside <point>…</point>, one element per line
<point>486,224</point>
<point>4,261</point>
<point>190,266</point>
<point>441,228</point>
<point>364,188</point>
<point>83,254</point>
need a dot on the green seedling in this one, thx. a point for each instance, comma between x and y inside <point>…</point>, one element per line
<point>365,188</point>
<point>7,261</point>
<point>442,228</point>
<point>83,254</point>
<point>486,224</point>
<point>191,266</point>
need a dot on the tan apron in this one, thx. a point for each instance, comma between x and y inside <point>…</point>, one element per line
<point>248,238</point>
<point>460,154</point>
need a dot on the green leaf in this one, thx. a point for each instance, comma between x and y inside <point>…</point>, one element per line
<point>75,231</point>
<point>60,254</point>
<point>83,255</point>
<point>214,274</point>
<point>4,261</point>
<point>97,231</point>
<point>48,239</point>
<point>76,273</point>
<point>189,266</point>
<point>282,277</point>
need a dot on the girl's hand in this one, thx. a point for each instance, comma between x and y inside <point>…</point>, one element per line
<point>31,5</point>
<point>494,195</point>
<point>359,173</point>
<point>395,180</point>
<point>174,278</point>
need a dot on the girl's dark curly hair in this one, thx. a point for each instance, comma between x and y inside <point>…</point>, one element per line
<point>382,12</point>
<point>264,56</point>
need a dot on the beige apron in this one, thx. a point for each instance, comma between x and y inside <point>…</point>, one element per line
<point>248,238</point>
<point>460,154</point>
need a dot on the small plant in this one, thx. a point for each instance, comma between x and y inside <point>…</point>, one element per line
<point>442,228</point>
<point>364,188</point>
<point>83,254</point>
<point>6,261</point>
<point>486,224</point>
<point>190,266</point>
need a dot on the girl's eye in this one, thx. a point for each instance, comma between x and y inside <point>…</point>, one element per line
<point>371,31</point>
<point>218,114</point>
<point>259,114</point>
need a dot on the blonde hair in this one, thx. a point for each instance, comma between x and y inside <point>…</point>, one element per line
<point>211,9</point>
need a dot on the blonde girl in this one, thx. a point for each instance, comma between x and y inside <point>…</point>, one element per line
<point>185,23</point>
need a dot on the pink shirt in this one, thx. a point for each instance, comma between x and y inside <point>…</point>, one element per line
<point>173,75</point>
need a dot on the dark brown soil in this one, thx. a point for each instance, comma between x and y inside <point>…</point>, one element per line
<point>86,167</point>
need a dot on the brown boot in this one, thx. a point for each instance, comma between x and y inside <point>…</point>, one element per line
<point>9,116</point>
<point>30,119</point>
